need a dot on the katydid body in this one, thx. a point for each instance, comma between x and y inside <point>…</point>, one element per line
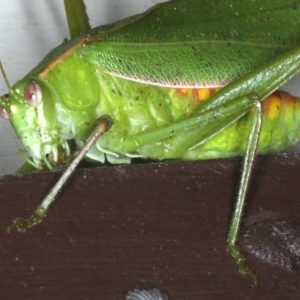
<point>137,107</point>
<point>151,74</point>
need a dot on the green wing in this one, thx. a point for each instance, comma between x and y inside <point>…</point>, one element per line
<point>192,43</point>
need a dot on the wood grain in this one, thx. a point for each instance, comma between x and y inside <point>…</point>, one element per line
<point>164,225</point>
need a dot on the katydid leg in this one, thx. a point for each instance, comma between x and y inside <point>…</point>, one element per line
<point>103,124</point>
<point>235,225</point>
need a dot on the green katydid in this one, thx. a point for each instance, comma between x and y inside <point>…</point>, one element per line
<point>138,88</point>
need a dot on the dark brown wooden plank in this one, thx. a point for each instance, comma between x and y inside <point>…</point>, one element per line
<point>163,225</point>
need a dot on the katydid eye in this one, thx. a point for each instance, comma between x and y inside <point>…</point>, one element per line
<point>3,113</point>
<point>33,94</point>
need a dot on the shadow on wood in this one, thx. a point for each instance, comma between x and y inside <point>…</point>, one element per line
<point>164,225</point>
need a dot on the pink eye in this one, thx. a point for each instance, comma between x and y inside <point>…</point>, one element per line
<point>33,94</point>
<point>3,113</point>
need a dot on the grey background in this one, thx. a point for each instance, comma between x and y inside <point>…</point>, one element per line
<point>30,29</point>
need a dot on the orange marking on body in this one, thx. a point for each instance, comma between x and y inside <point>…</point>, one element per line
<point>198,95</point>
<point>279,102</point>
<point>201,94</point>
<point>204,94</point>
<point>184,92</point>
<point>193,96</point>
<point>288,100</point>
<point>272,105</point>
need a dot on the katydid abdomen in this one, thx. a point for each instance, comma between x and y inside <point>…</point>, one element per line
<point>137,107</point>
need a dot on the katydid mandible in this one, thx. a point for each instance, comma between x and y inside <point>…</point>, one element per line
<point>182,80</point>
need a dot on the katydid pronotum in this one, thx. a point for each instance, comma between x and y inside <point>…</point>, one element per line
<point>183,80</point>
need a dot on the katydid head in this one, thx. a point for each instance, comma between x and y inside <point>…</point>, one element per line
<point>31,110</point>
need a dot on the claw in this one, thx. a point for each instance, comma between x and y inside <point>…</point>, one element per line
<point>22,225</point>
<point>242,263</point>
